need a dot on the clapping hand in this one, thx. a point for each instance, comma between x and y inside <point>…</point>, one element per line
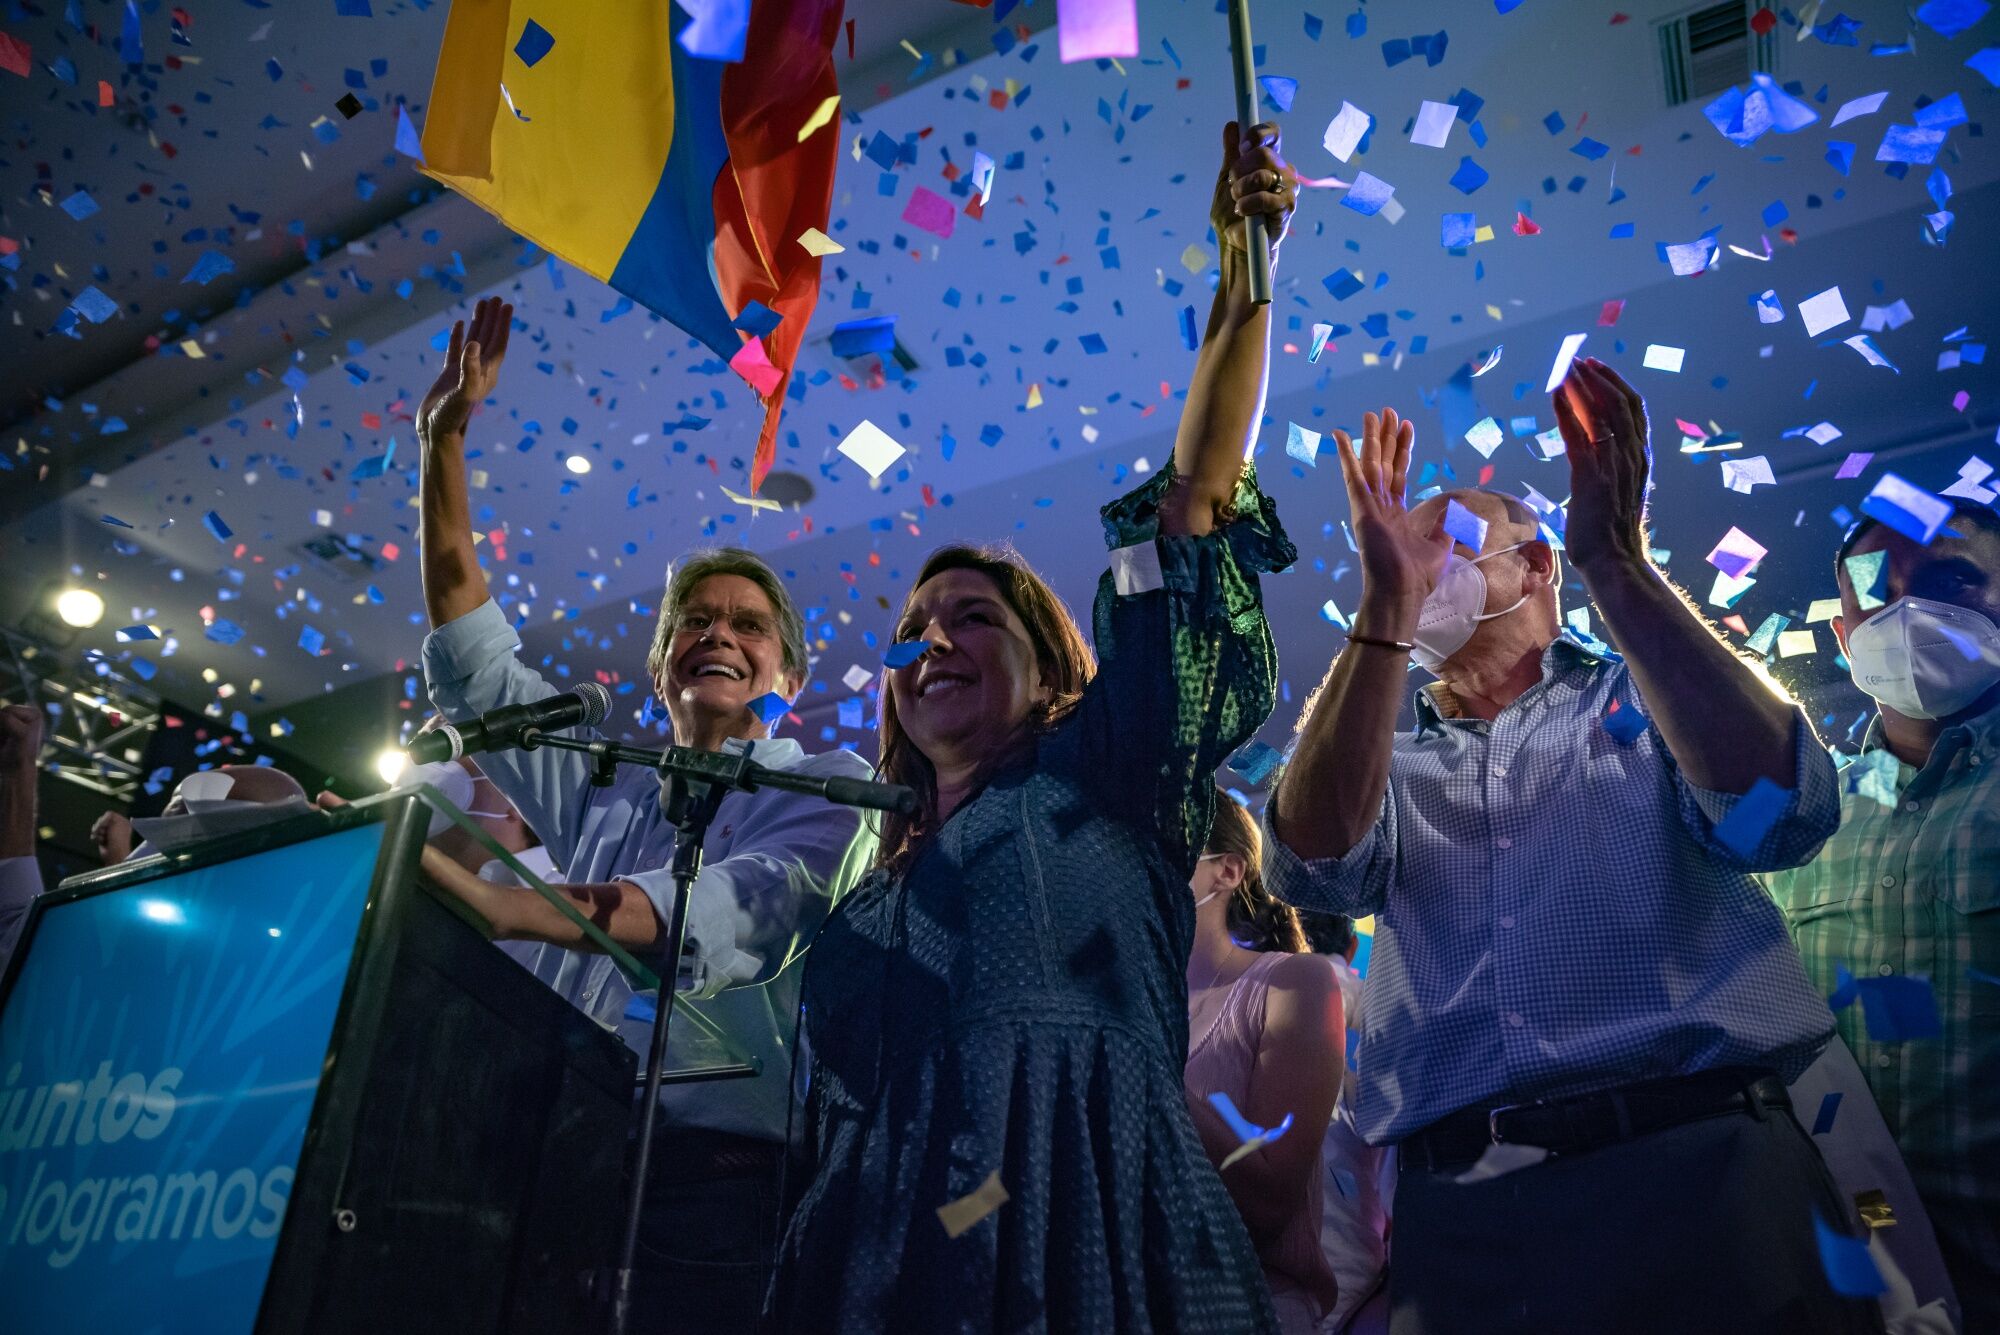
<point>1399,560</point>
<point>1254,179</point>
<point>471,369</point>
<point>1603,424</point>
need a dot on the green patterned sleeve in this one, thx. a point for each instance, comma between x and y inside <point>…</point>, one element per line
<point>1187,671</point>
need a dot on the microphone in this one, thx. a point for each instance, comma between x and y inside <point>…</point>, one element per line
<point>586,704</point>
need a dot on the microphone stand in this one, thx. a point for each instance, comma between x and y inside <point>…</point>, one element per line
<point>694,784</point>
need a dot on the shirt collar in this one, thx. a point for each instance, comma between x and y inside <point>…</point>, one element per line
<point>1981,730</point>
<point>777,752</point>
<point>1436,705</point>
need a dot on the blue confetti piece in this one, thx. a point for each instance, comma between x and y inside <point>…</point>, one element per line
<point>1625,723</point>
<point>221,631</point>
<point>1255,762</point>
<point>1845,989</point>
<point>1907,508</point>
<point>1279,89</point>
<point>208,266</point>
<point>758,319</point>
<point>1243,1128</point>
<point>535,43</point>
<point>1908,143</point>
<point>408,143</point>
<point>113,520</point>
<point>94,306</point>
<point>311,640</point>
<point>218,530</point>
<point>906,653</point>
<point>1469,176</point>
<point>1464,526</point>
<point>1944,113</point>
<point>1555,123</point>
<point>1742,831</point>
<point>79,205</point>
<point>1840,155</point>
<point>881,151</point>
<point>770,707</point>
<point>860,338</point>
<point>1368,194</point>
<point>1587,147</point>
<point>1457,230</point>
<point>1190,331</point>
<point>131,633</point>
<point>1395,51</point>
<point>849,712</point>
<point>353,9</point>
<point>1829,1107</point>
<point>1849,1268</point>
<point>642,1007</point>
<point>1899,1008</point>
<point>1987,64</point>
<point>131,49</point>
<point>1949,18</point>
<point>1342,284</point>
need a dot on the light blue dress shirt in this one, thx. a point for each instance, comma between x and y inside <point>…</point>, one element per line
<point>773,865</point>
<point>1554,913</point>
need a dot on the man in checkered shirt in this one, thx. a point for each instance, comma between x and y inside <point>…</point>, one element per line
<point>1910,885</point>
<point>1573,969</point>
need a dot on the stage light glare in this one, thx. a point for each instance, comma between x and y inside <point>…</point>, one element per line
<point>391,764</point>
<point>577,464</point>
<point>81,608</point>
<point>162,910</point>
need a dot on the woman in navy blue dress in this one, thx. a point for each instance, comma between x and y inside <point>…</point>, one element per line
<point>1001,1006</point>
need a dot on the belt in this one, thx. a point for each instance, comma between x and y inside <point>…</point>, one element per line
<point>1590,1121</point>
<point>692,1154</point>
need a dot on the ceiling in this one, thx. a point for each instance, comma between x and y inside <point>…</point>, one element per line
<point>1101,192</point>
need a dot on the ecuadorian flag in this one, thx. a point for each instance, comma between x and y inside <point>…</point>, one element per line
<point>681,182</point>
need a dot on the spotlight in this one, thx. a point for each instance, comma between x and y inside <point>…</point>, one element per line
<point>390,765</point>
<point>162,911</point>
<point>81,608</point>
<point>577,464</point>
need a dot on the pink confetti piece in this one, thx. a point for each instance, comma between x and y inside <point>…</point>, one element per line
<point>1852,465</point>
<point>754,365</point>
<point>931,211</point>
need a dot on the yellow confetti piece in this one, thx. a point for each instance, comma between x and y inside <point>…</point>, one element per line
<point>1365,926</point>
<point>1370,359</point>
<point>821,115</point>
<point>966,1211</point>
<point>817,242</point>
<point>1194,259</point>
<point>754,502</point>
<point>192,349</point>
<point>1034,396</point>
<point>1485,233</point>
<point>1822,609</point>
<point>1792,643</point>
<point>914,53</point>
<point>1493,311</point>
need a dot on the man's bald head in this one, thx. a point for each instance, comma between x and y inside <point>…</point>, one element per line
<point>262,784</point>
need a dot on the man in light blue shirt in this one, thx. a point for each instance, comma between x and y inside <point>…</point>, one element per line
<point>773,864</point>
<point>1574,977</point>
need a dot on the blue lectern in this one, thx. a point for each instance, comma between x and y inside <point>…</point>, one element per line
<point>275,1084</point>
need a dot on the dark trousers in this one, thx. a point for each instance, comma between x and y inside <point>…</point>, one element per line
<point>1706,1226</point>
<point>706,1236</point>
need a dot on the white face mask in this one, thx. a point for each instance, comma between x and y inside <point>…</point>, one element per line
<point>1925,659</point>
<point>455,782</point>
<point>1455,608</point>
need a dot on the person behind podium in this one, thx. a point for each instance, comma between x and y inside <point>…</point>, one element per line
<point>997,1015</point>
<point>775,862</point>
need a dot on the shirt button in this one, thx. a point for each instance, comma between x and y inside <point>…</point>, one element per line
<point>1911,805</point>
<point>1888,882</point>
<point>1507,921</point>
<point>1885,970</point>
<point>1499,771</point>
<point>1504,842</point>
<point>1515,1019</point>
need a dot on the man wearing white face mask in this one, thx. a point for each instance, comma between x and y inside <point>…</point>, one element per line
<point>1911,883</point>
<point>1573,975</point>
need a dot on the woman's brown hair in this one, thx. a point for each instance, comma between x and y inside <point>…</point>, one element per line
<point>1256,919</point>
<point>1061,654</point>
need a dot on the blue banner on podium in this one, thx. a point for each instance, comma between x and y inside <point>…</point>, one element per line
<point>160,1050</point>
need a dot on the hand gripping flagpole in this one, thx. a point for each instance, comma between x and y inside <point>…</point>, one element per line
<point>1243,61</point>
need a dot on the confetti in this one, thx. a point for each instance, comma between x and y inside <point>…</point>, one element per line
<point>1858,106</point>
<point>718,29</point>
<point>1345,130</point>
<point>79,206</point>
<point>218,530</point>
<point>1823,311</point>
<point>931,211</point>
<point>1255,762</point>
<point>1571,345</point>
<point>769,707</point>
<point>1458,229</point>
<point>1464,526</point>
<point>1737,554</point>
<point>1368,194</point>
<point>1659,357</point>
<point>1485,436</point>
<point>534,43</point>
<point>871,447</point>
<point>1865,574</point>
<point>1829,1107</point>
<point>959,1216</point>
<point>1252,1136</point>
<point>1849,1268</point>
<point>1097,29</point>
<point>822,114</point>
<point>1743,829</point>
<point>1906,508</point>
<point>1469,176</point>
<point>817,242</point>
<point>903,654</point>
<point>1433,125</point>
<point>1302,444</point>
<point>1742,475</point>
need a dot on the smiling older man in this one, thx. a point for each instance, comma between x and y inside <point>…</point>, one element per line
<point>774,863</point>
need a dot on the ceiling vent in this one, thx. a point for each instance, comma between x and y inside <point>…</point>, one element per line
<point>338,557</point>
<point>1707,51</point>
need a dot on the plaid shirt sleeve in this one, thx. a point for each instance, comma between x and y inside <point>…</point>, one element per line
<point>1810,815</point>
<point>1356,883</point>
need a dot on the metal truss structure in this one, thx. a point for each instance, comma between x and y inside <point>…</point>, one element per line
<point>98,722</point>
